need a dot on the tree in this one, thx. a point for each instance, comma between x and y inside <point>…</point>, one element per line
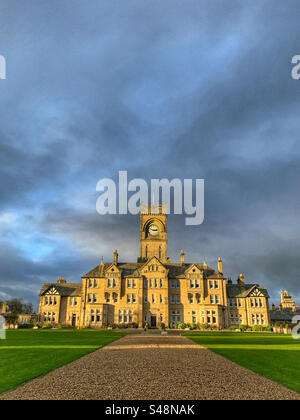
<point>15,305</point>
<point>27,308</point>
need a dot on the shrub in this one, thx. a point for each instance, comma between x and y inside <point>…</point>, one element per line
<point>193,326</point>
<point>38,324</point>
<point>233,327</point>
<point>243,327</point>
<point>25,326</point>
<point>47,326</point>
<point>257,328</point>
<point>171,325</point>
<point>163,326</point>
<point>181,326</point>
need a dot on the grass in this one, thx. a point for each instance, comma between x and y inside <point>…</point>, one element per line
<point>274,356</point>
<point>27,354</point>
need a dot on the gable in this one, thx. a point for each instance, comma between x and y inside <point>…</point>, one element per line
<point>256,293</point>
<point>52,291</point>
<point>152,265</point>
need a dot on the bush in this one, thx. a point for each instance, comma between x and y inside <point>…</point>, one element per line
<point>243,327</point>
<point>257,328</point>
<point>38,324</point>
<point>181,326</point>
<point>47,326</point>
<point>233,327</point>
<point>25,326</point>
<point>162,325</point>
<point>193,326</point>
<point>171,325</point>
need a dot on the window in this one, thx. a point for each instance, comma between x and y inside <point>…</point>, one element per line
<point>159,253</point>
<point>145,316</point>
<point>146,299</point>
<point>178,284</point>
<point>107,297</point>
<point>160,299</point>
<point>145,283</point>
<point>115,297</point>
<point>231,303</point>
<point>153,298</point>
<point>130,316</point>
<point>216,284</point>
<point>252,303</point>
<point>128,298</point>
<point>50,300</point>
<point>90,283</point>
<point>134,283</point>
<point>125,316</point>
<point>46,300</point>
<point>95,298</point>
<point>109,283</point>
<point>194,317</point>
<point>198,298</point>
<point>95,283</point>
<point>161,283</point>
<point>217,299</point>
<point>173,284</point>
<point>208,317</point>
<point>98,317</point>
<point>92,315</point>
<point>211,284</point>
<point>129,283</point>
<point>197,284</point>
<point>235,303</point>
<point>151,283</point>
<point>261,303</point>
<point>53,316</point>
<point>191,298</point>
<point>192,284</point>
<point>178,299</point>
<point>240,303</point>
<point>172,299</point>
<point>212,299</point>
<point>120,316</point>
<point>156,283</point>
<point>133,298</point>
<point>90,298</point>
<point>115,283</point>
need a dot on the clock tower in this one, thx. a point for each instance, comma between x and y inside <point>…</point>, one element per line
<point>153,232</point>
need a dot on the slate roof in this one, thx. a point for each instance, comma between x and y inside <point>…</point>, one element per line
<point>283,315</point>
<point>240,291</point>
<point>68,289</point>
<point>132,269</point>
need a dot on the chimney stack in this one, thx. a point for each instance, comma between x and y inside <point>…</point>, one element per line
<point>220,265</point>
<point>241,279</point>
<point>116,257</point>
<point>61,280</point>
<point>182,259</point>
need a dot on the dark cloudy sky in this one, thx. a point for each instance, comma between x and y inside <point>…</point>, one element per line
<point>172,88</point>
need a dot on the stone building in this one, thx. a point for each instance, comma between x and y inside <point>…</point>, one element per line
<point>154,290</point>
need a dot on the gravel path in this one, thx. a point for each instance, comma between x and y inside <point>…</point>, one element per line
<point>140,367</point>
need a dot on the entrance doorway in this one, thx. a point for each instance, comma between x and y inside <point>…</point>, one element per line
<point>153,321</point>
<point>73,320</point>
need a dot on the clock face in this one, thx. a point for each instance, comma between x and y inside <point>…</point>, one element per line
<point>153,230</point>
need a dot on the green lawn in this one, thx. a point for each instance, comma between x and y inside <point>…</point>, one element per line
<point>274,356</point>
<point>26,354</point>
